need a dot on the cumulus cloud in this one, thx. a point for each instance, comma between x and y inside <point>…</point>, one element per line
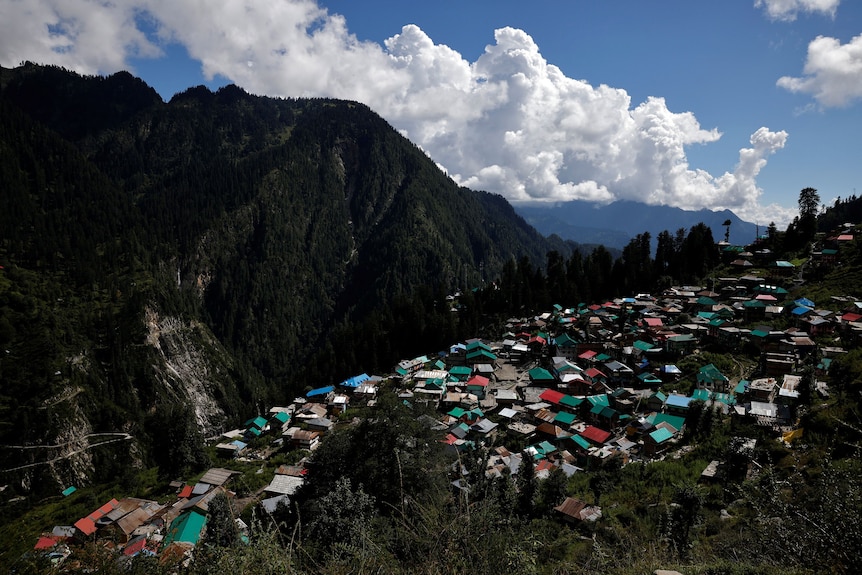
<point>833,72</point>
<point>509,122</point>
<point>787,10</point>
<point>87,36</point>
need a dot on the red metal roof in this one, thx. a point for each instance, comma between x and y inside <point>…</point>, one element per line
<point>45,543</point>
<point>135,546</point>
<point>593,373</point>
<point>478,380</point>
<point>86,526</point>
<point>551,395</point>
<point>595,435</point>
<point>186,492</point>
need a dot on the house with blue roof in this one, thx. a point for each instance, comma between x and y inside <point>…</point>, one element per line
<point>677,404</point>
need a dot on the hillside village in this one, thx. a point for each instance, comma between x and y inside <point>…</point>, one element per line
<point>568,389</point>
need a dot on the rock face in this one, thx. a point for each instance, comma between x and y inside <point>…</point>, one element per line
<point>189,371</point>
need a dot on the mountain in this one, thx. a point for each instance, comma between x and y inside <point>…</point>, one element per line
<point>170,267</point>
<point>615,224</point>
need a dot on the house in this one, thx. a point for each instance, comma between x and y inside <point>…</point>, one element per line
<point>657,441</point>
<point>655,402</point>
<point>574,511</point>
<point>763,389</point>
<point>351,383</point>
<point>186,528</point>
<point>540,376</point>
<point>677,404</point>
<point>232,449</point>
<point>284,485</point>
<point>338,403</point>
<point>477,385</point>
<point>484,428</point>
<point>320,392</point>
<point>302,439</point>
<point>618,373</point>
<point>88,525</point>
<point>647,379</point>
<point>605,416</point>
<point>680,344</point>
<point>595,435</point>
<point>709,377</point>
<point>566,346</point>
<point>623,400</point>
<point>790,387</point>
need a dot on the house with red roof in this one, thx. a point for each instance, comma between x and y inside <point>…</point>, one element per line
<point>595,435</point>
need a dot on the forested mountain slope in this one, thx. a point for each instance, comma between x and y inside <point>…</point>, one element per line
<point>187,257</point>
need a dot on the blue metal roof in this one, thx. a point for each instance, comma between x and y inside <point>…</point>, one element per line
<point>320,391</point>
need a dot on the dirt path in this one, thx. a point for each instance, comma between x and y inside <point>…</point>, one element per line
<point>118,436</point>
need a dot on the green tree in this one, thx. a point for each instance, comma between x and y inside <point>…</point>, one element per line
<point>683,514</point>
<point>222,530</point>
<point>551,492</point>
<point>341,519</point>
<point>809,204</point>
<point>527,487</point>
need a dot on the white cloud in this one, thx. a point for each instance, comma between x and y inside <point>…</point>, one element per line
<point>510,122</point>
<point>833,72</point>
<point>787,10</point>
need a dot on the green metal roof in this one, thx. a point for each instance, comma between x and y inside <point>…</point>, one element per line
<point>281,416</point>
<point>457,412</point>
<point>186,528</point>
<point>583,443</point>
<point>565,418</point>
<point>661,435</point>
<point>642,345</point>
<point>540,374</point>
<point>647,377</point>
<point>474,345</point>
<point>675,421</point>
<point>700,395</point>
<point>481,353</point>
<point>570,401</point>
<point>599,400</point>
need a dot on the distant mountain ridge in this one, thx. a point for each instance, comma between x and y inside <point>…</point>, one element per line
<point>615,224</point>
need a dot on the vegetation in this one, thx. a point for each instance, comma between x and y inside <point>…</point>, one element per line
<point>292,243</point>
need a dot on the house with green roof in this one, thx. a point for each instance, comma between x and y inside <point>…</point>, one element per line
<point>657,441</point>
<point>565,418</point>
<point>683,343</point>
<point>566,346</point>
<point>480,355</point>
<point>709,377</point>
<point>605,416</point>
<point>675,421</point>
<point>541,376</point>
<point>460,373</point>
<point>655,402</point>
<point>647,379</point>
<point>186,528</point>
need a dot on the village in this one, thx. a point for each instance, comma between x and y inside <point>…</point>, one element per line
<point>569,388</point>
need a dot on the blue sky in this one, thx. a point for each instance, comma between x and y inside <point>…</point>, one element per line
<point>733,105</point>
